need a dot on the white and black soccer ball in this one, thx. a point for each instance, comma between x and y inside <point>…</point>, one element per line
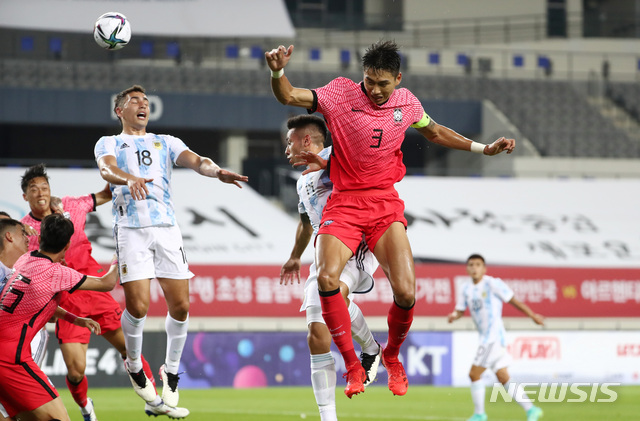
<point>112,31</point>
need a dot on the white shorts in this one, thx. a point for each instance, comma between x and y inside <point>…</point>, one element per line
<point>151,252</point>
<point>357,275</point>
<point>38,351</point>
<point>39,346</point>
<point>492,356</point>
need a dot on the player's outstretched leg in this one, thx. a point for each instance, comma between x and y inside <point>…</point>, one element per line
<point>370,364</point>
<point>164,409</point>
<point>478,417</point>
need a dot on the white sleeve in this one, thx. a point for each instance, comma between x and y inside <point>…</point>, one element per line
<point>461,302</point>
<point>176,146</point>
<point>105,146</point>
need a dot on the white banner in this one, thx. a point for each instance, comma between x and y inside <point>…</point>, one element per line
<point>166,18</point>
<point>532,222</point>
<point>220,223</point>
<point>557,356</point>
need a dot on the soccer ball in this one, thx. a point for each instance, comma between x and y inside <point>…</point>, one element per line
<point>112,31</point>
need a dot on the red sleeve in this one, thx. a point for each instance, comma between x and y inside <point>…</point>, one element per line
<point>84,204</point>
<point>326,97</point>
<point>66,279</point>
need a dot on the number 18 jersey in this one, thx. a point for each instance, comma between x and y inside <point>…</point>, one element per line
<point>148,156</point>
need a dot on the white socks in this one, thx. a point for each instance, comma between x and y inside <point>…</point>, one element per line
<point>360,330</point>
<point>323,381</point>
<point>477,395</point>
<point>132,329</point>
<point>176,337</point>
<point>520,396</point>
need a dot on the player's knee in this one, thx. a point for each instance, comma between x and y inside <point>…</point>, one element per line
<point>327,281</point>
<point>405,299</point>
<point>319,341</point>
<point>74,375</point>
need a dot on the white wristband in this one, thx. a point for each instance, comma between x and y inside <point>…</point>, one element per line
<point>278,74</point>
<point>477,147</point>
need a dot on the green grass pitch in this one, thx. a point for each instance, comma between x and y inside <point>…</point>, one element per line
<point>377,404</point>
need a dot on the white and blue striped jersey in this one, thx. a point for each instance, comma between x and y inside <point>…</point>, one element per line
<point>148,156</point>
<point>5,273</point>
<point>484,301</point>
<point>314,190</point>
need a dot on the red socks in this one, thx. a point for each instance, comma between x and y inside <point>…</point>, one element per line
<point>79,391</point>
<point>147,370</point>
<point>399,321</point>
<point>336,316</point>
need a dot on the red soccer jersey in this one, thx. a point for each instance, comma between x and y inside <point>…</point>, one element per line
<point>366,137</point>
<point>28,301</point>
<point>78,256</point>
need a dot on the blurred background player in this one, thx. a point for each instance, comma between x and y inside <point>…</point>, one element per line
<point>99,306</point>
<point>308,133</point>
<point>367,121</point>
<point>138,165</point>
<point>28,300</point>
<point>484,297</point>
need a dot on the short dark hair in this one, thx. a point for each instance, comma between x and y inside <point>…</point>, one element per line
<point>6,225</point>
<point>55,233</point>
<point>476,256</point>
<point>122,96</point>
<point>39,170</point>
<point>304,120</point>
<point>3,213</point>
<point>382,56</point>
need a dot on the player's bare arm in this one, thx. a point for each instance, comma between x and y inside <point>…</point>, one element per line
<point>103,196</point>
<point>110,172</point>
<point>454,315</point>
<point>537,318</point>
<point>444,136</point>
<point>284,92</point>
<point>104,283</point>
<point>205,166</point>
<point>291,269</point>
<point>90,324</point>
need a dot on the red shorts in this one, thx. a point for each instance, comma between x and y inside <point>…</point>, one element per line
<point>349,215</point>
<point>24,387</point>
<point>99,306</point>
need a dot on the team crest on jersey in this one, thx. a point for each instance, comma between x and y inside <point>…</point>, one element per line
<point>157,144</point>
<point>397,115</point>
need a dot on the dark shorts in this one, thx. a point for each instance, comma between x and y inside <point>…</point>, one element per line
<point>350,215</point>
<point>99,306</point>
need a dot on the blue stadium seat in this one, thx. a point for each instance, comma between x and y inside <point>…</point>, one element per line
<point>434,58</point>
<point>146,49</point>
<point>314,54</point>
<point>232,51</point>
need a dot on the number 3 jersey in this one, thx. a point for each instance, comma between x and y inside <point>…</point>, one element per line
<point>484,301</point>
<point>29,299</point>
<point>148,156</point>
<point>366,136</point>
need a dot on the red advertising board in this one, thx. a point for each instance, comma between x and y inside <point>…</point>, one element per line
<point>255,291</point>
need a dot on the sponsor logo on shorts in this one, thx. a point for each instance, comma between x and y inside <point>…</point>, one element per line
<point>327,223</point>
<point>124,270</point>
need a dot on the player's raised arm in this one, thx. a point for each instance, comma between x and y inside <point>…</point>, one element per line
<point>110,172</point>
<point>284,92</point>
<point>205,166</point>
<point>444,136</point>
